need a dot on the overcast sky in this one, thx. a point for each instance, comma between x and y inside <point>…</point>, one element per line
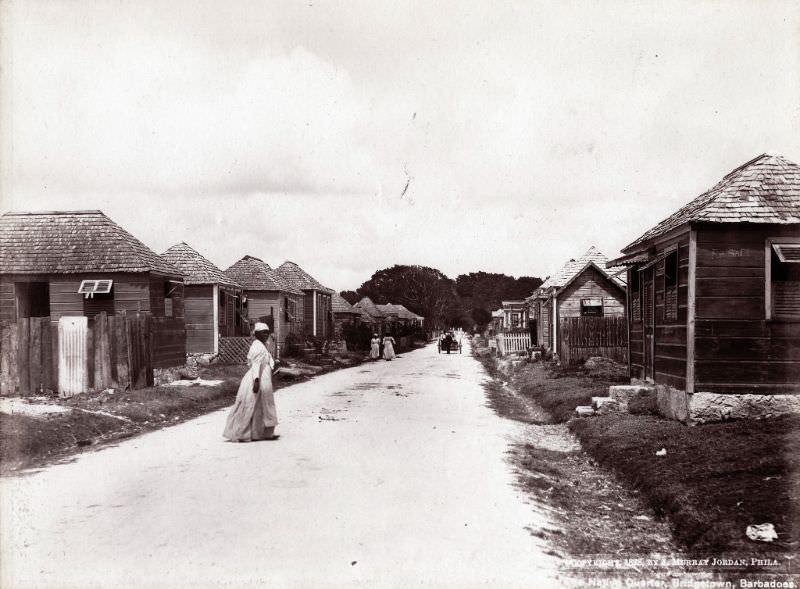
<point>350,136</point>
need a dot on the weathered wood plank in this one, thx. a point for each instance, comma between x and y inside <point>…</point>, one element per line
<point>730,255</point>
<point>721,287</point>
<point>730,307</point>
<point>23,356</point>
<point>121,359</point>
<point>747,372</point>
<point>747,328</point>
<point>35,355</point>
<point>747,348</point>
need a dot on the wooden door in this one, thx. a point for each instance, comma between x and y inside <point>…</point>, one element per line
<point>648,316</point>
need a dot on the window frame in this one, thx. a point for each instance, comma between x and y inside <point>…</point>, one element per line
<point>601,306</point>
<point>768,249</point>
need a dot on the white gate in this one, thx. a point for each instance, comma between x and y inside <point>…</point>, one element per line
<point>72,377</point>
<point>510,343</point>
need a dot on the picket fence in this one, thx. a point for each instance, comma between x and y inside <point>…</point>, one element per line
<point>512,342</point>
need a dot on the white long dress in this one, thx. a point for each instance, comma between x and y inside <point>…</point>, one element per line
<point>388,348</point>
<point>253,415</point>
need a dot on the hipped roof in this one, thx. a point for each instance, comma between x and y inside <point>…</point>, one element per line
<point>255,274</point>
<point>340,305</point>
<point>196,268</point>
<point>68,242</point>
<point>299,278</point>
<point>370,308</point>
<point>764,190</point>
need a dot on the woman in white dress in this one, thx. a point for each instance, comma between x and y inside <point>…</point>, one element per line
<point>375,347</point>
<point>253,415</point>
<point>388,348</point>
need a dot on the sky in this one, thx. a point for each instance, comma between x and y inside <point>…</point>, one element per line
<point>350,136</point>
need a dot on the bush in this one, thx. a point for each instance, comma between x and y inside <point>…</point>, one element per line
<point>357,336</point>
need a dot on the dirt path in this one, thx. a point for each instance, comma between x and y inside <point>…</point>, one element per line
<point>595,515</point>
<point>392,474</point>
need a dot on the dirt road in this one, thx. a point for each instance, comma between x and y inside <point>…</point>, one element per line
<point>390,474</point>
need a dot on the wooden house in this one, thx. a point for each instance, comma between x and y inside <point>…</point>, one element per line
<point>408,318</point>
<point>515,315</point>
<point>268,297</point>
<point>586,287</point>
<point>81,263</point>
<point>212,301</point>
<point>344,314</point>
<point>714,289</point>
<point>317,317</point>
<point>373,315</point>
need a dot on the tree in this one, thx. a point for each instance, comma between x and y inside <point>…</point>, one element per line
<point>481,317</point>
<point>425,291</point>
<point>350,296</point>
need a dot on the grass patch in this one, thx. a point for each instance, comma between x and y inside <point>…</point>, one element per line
<point>714,481</point>
<point>559,391</point>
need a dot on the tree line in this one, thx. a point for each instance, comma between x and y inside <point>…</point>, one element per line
<point>464,302</point>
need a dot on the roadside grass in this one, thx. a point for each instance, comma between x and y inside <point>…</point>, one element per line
<point>592,512</point>
<point>714,480</point>
<point>558,390</point>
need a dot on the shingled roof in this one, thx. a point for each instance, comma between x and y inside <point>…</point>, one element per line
<point>255,274</point>
<point>764,190</point>
<point>340,305</point>
<point>196,268</point>
<point>299,278</point>
<point>568,271</point>
<point>370,308</point>
<point>68,242</point>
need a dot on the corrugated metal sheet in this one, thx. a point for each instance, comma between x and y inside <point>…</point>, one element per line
<point>72,376</point>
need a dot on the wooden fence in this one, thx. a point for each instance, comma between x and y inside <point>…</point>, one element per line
<point>512,342</point>
<point>120,352</point>
<point>580,338</point>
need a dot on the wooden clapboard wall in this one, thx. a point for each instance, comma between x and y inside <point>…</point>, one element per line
<point>736,349</point>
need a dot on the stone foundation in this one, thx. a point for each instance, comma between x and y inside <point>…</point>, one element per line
<point>699,408</point>
<point>710,407</point>
<point>624,393</point>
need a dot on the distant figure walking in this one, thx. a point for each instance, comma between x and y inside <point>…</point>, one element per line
<point>253,415</point>
<point>388,348</point>
<point>375,347</point>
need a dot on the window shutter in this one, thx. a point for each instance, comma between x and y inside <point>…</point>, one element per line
<point>786,299</point>
<point>788,253</point>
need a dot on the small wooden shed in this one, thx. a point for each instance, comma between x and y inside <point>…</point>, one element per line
<point>317,317</point>
<point>714,289</point>
<point>583,287</point>
<point>81,263</point>
<point>268,297</point>
<point>213,301</point>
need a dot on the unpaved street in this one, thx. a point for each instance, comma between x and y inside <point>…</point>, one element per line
<point>390,474</point>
